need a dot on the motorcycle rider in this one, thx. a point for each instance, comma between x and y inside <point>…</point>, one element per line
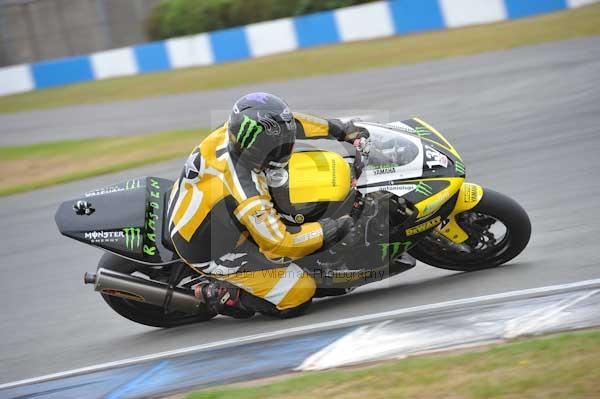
<point>222,221</point>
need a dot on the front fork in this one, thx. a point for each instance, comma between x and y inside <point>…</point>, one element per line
<point>468,197</point>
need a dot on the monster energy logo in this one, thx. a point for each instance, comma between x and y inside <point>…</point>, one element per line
<point>424,189</point>
<point>421,131</point>
<point>132,237</point>
<point>249,131</point>
<point>397,248</point>
<point>132,184</point>
<point>459,167</point>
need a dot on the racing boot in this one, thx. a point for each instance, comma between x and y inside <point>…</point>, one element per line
<point>223,298</point>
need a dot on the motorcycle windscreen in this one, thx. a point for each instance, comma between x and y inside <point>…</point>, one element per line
<point>389,150</point>
<point>393,156</point>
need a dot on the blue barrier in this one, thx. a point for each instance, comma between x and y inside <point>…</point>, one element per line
<point>229,45</point>
<point>152,57</point>
<point>351,23</point>
<point>416,15</point>
<point>316,29</point>
<point>62,71</point>
<point>526,8</point>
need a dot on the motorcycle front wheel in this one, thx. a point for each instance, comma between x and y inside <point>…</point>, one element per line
<point>498,227</point>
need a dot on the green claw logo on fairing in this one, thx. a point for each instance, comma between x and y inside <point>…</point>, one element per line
<point>396,248</point>
<point>421,131</point>
<point>133,235</point>
<point>424,189</point>
<point>459,167</point>
<point>132,238</point>
<point>249,131</point>
<point>132,184</point>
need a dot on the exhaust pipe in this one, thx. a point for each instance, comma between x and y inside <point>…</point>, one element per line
<point>113,283</point>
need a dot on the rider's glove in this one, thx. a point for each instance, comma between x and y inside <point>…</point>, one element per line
<point>347,131</point>
<point>353,132</point>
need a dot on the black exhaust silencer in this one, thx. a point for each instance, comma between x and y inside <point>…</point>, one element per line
<point>113,283</point>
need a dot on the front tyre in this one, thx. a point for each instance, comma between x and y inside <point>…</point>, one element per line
<point>498,227</point>
<point>139,312</point>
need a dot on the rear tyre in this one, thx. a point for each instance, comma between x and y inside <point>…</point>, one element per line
<point>139,312</point>
<point>489,244</point>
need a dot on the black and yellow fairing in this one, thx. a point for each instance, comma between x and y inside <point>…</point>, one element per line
<point>319,179</point>
<point>448,189</point>
<point>126,219</point>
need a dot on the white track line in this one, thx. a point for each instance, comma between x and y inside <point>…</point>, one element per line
<point>536,319</point>
<point>307,328</point>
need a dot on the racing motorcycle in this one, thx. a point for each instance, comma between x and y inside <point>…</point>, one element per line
<point>404,185</point>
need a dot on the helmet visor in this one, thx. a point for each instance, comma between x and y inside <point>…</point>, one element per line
<point>279,157</point>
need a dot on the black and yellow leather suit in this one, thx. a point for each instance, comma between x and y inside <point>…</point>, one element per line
<point>223,223</point>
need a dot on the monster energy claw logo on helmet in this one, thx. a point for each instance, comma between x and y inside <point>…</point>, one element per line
<point>249,130</point>
<point>261,130</point>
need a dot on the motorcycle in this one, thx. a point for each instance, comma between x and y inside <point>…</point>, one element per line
<point>404,185</point>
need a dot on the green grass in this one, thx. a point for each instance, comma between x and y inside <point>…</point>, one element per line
<point>560,366</point>
<point>322,60</point>
<point>40,165</point>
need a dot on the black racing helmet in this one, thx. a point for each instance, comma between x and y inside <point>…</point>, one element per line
<point>262,131</point>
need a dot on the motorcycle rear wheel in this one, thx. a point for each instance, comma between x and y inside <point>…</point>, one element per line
<point>487,250</point>
<point>139,312</point>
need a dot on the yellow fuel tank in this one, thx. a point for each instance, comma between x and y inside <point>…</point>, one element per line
<point>318,176</point>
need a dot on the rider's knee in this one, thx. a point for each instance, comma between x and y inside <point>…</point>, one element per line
<point>300,293</point>
<point>290,295</point>
<point>290,312</point>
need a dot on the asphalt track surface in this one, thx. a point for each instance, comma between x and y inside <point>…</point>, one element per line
<point>446,91</point>
<point>526,121</point>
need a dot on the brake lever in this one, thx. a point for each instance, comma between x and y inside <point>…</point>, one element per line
<point>362,148</point>
<point>363,145</point>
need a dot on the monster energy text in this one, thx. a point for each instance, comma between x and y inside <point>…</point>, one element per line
<point>249,131</point>
<point>100,237</point>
